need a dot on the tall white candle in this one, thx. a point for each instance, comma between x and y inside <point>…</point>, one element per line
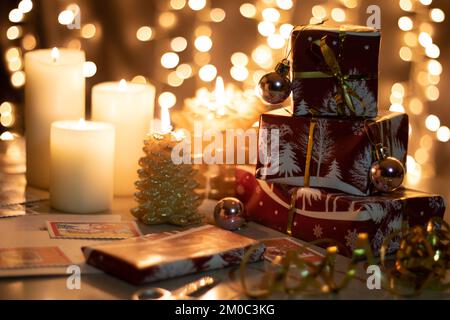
<point>82,166</point>
<point>130,107</point>
<point>55,90</point>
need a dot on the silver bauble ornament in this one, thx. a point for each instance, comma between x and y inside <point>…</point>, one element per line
<point>387,173</point>
<point>275,87</point>
<point>229,214</point>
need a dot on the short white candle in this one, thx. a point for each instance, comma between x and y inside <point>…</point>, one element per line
<point>55,90</point>
<point>130,107</point>
<point>82,166</point>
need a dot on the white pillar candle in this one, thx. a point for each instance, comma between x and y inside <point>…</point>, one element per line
<point>55,90</point>
<point>130,107</point>
<point>82,166</point>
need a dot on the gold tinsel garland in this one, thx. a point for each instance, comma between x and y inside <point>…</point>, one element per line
<point>421,263</point>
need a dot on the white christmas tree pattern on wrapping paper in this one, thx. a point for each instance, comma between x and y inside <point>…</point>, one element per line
<point>361,167</point>
<point>376,211</point>
<point>335,171</point>
<point>288,165</point>
<point>302,108</point>
<point>323,144</point>
<point>359,87</point>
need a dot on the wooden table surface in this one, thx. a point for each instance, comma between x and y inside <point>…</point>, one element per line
<point>101,286</point>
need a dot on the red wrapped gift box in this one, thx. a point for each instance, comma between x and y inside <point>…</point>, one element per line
<point>323,213</point>
<point>342,153</point>
<point>316,88</point>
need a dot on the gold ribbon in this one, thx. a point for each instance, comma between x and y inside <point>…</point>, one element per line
<point>307,176</point>
<point>345,93</point>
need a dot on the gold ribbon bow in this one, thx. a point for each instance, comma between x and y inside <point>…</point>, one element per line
<point>345,92</point>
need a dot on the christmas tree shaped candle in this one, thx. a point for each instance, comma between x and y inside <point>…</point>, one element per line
<point>165,189</point>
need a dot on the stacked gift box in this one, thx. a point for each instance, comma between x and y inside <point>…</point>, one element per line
<point>321,155</point>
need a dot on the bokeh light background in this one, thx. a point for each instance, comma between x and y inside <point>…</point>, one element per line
<point>183,45</point>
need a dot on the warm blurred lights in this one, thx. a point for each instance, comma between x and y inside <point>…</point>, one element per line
<point>203,43</point>
<point>434,67</point>
<point>167,99</point>
<point>217,15</point>
<point>88,31</point>
<point>7,120</point>
<point>144,33</point>
<point>184,71</point>
<point>286,30</point>
<point>167,19</point>
<point>437,15</point>
<point>432,123</point>
<point>405,23</point>
<point>66,17</point>
<point>284,4</point>
<point>425,39</point>
<point>170,60</point>
<point>197,5</point>
<point>406,5</point>
<point>203,31</point>
<point>13,32</point>
<point>443,134</point>
<point>319,12</point>
<point>262,55</point>
<point>177,4</point>
<point>406,54</point>
<point>6,107</point>
<point>351,4</point>
<point>139,79</point>
<point>6,136</point>
<point>276,41</point>
<point>239,73</point>
<point>397,108</point>
<point>174,80</point>
<point>410,39</point>
<point>247,10</point>
<point>266,28</point>
<point>432,51</point>
<point>421,156</point>
<point>271,14</point>
<point>15,15</point>
<point>18,79</point>
<point>416,106</point>
<point>239,59</point>
<point>426,2</point>
<point>432,93</point>
<point>25,6</point>
<point>207,73</point>
<point>202,58</point>
<point>12,53</point>
<point>29,42</point>
<point>338,15</point>
<point>178,44</point>
<point>89,69</point>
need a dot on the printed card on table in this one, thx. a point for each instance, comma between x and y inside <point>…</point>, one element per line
<point>279,247</point>
<point>32,257</point>
<point>92,230</point>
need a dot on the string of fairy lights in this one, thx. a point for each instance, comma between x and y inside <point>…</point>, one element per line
<point>273,21</point>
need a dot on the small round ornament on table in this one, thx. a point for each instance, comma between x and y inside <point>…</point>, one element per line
<point>275,87</point>
<point>387,173</point>
<point>229,214</point>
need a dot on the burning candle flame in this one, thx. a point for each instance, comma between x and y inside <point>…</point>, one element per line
<point>122,85</point>
<point>55,54</point>
<point>220,96</point>
<point>166,126</point>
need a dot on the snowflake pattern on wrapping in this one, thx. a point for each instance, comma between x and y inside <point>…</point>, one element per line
<point>435,202</point>
<point>358,128</point>
<point>351,238</point>
<point>318,231</point>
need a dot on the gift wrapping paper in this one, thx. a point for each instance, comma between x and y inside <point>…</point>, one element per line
<point>347,61</point>
<point>168,255</point>
<point>343,149</point>
<point>324,213</point>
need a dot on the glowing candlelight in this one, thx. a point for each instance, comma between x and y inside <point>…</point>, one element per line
<point>166,126</point>
<point>122,85</point>
<point>220,96</point>
<point>55,55</point>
